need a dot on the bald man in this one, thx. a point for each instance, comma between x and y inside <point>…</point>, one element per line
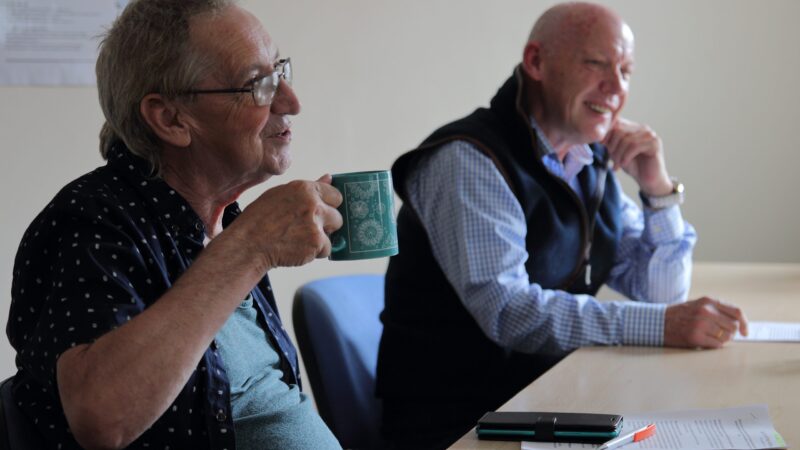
<point>513,218</point>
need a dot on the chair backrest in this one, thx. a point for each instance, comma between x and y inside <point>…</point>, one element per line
<point>17,432</point>
<point>336,321</point>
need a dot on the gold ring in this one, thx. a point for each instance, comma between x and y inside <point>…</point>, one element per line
<point>719,333</point>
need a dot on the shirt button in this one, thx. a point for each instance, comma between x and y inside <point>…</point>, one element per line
<point>198,226</point>
<point>221,416</point>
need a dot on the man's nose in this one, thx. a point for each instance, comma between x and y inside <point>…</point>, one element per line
<point>285,100</point>
<point>615,82</point>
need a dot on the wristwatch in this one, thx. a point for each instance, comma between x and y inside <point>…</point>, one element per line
<point>673,198</point>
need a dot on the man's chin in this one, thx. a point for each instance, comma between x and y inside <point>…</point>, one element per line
<point>277,159</point>
<point>281,165</point>
<point>596,134</point>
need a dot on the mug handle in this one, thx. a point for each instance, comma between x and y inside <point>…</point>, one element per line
<point>339,244</point>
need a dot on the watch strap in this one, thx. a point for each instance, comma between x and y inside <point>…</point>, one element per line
<point>663,201</point>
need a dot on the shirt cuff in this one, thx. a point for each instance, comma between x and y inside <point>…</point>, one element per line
<point>663,225</point>
<point>643,324</point>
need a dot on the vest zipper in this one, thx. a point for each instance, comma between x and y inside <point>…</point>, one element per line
<point>588,269</point>
<point>583,265</point>
<point>587,226</point>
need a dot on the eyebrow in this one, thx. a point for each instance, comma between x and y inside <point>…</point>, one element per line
<point>258,67</point>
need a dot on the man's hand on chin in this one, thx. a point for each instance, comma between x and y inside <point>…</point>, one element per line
<point>637,149</point>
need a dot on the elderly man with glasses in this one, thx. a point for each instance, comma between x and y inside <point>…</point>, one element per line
<point>142,313</point>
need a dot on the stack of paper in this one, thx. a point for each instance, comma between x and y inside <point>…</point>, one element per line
<point>747,427</point>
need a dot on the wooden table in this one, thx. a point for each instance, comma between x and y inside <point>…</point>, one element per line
<point>640,379</point>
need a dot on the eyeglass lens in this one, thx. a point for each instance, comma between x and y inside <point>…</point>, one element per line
<point>265,88</point>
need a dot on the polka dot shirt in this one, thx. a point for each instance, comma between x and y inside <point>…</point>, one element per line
<point>108,246</point>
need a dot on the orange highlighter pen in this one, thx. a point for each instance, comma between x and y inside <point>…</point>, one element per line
<point>636,436</point>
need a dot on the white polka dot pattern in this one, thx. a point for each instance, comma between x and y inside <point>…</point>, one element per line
<point>108,246</point>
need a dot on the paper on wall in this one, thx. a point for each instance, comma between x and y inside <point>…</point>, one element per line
<point>52,42</point>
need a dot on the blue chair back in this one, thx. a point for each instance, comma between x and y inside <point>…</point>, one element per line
<point>17,432</point>
<point>338,329</point>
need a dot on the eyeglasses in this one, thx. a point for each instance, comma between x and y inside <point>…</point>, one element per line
<point>262,89</point>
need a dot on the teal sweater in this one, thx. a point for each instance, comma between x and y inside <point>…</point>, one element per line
<point>267,413</point>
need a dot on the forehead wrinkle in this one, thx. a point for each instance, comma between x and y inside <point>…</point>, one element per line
<point>249,54</point>
<point>238,47</point>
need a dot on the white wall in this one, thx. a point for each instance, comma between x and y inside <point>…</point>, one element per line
<point>716,79</point>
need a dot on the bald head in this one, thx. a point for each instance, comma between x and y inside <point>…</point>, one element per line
<point>577,66</point>
<point>567,25</point>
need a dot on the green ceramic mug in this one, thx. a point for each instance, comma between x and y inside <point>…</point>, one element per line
<point>369,229</point>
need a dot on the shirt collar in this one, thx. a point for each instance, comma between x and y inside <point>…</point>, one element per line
<point>582,153</point>
<point>170,207</point>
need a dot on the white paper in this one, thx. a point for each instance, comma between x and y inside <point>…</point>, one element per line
<point>52,42</point>
<point>771,332</point>
<point>746,427</point>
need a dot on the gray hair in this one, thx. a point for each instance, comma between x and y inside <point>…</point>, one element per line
<point>147,50</point>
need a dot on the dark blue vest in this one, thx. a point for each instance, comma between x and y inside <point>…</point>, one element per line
<point>432,349</point>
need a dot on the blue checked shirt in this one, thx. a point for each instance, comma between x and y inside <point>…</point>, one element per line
<point>477,232</point>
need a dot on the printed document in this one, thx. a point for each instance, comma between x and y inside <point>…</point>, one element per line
<point>52,42</point>
<point>746,427</point>
<point>771,332</point>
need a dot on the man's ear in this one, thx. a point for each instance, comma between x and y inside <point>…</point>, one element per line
<point>166,120</point>
<point>532,60</point>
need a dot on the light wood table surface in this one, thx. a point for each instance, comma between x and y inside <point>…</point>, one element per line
<point>641,379</point>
